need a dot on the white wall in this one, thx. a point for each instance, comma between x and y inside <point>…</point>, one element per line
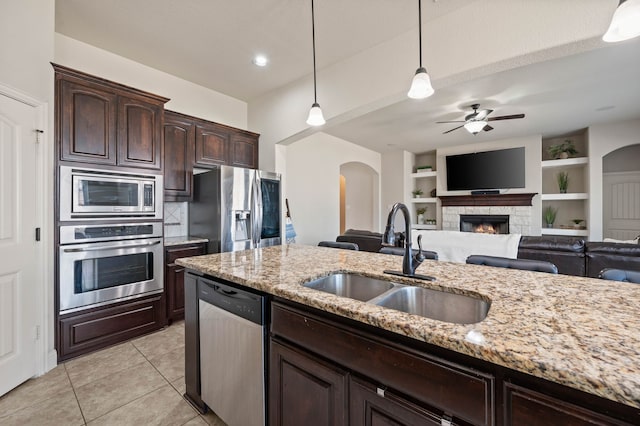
<point>312,183</point>
<point>362,199</point>
<point>185,97</point>
<point>603,139</point>
<point>396,184</point>
<point>533,171</point>
<point>26,50</point>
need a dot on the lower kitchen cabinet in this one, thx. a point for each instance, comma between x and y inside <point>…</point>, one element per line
<point>373,406</point>
<point>392,380</point>
<point>174,277</point>
<point>527,407</point>
<point>305,390</point>
<point>86,331</point>
<point>418,385</point>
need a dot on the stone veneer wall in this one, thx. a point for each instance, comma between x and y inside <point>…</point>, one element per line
<point>519,217</point>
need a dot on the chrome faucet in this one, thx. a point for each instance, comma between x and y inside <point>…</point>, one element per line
<point>410,261</point>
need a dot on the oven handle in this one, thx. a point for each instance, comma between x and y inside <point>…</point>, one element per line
<point>76,250</point>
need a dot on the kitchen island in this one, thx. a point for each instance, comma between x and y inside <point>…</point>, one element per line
<point>577,332</point>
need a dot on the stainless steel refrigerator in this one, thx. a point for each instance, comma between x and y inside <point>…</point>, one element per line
<point>236,209</point>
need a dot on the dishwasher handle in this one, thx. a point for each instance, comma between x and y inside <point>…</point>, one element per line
<point>247,305</point>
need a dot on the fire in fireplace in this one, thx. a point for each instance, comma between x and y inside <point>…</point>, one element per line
<point>486,224</point>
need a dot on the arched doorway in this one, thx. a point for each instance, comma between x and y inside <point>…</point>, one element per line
<point>359,197</point>
<point>621,193</point>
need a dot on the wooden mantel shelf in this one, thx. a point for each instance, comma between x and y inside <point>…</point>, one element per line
<point>487,200</point>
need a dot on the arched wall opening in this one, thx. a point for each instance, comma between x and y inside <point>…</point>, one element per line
<point>361,196</point>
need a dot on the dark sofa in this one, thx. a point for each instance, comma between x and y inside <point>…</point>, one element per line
<point>572,255</point>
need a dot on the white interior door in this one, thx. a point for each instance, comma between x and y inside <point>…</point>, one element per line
<point>19,255</point>
<point>621,205</point>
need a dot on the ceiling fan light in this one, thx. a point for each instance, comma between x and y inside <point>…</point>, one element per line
<point>625,23</point>
<point>315,117</point>
<point>421,85</point>
<point>475,126</point>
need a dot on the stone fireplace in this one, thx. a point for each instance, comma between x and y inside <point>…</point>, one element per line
<point>484,224</point>
<point>516,208</point>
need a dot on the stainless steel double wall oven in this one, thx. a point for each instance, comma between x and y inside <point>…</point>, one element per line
<point>111,245</point>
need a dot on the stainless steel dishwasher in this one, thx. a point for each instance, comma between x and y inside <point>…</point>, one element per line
<point>232,353</point>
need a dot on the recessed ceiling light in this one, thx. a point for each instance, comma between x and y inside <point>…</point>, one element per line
<point>260,60</point>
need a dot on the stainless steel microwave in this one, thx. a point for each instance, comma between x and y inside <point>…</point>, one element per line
<point>104,194</point>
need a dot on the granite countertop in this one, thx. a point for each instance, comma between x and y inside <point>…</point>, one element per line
<point>579,332</point>
<point>185,239</point>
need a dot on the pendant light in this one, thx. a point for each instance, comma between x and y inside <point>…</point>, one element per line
<point>625,23</point>
<point>421,85</point>
<point>315,117</point>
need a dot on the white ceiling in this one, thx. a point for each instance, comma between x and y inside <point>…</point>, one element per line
<point>212,43</point>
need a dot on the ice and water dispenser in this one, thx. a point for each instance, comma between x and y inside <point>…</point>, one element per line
<point>241,226</point>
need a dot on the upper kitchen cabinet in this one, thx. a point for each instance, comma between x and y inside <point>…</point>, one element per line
<point>212,144</point>
<point>105,123</point>
<point>244,150</point>
<point>179,141</point>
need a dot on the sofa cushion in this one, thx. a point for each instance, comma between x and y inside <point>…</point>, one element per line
<point>556,243</point>
<point>602,255</point>
<point>567,253</point>
<point>368,240</point>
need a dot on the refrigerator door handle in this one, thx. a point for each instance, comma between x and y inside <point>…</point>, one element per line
<point>257,212</point>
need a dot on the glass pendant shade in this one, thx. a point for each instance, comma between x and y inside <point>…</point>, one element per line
<point>475,126</point>
<point>315,117</point>
<point>421,85</point>
<point>625,23</point>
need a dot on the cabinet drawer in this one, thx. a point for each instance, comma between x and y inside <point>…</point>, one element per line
<point>182,251</point>
<point>526,407</point>
<point>83,332</point>
<point>462,392</point>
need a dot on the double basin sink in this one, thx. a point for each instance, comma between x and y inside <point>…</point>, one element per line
<point>429,303</point>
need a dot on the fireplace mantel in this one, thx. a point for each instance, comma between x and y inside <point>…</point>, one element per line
<point>487,200</point>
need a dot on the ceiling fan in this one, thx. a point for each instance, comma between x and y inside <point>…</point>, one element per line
<point>477,121</point>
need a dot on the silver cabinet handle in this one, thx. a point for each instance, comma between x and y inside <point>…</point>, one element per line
<point>125,246</point>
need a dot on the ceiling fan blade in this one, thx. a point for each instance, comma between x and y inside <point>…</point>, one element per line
<point>455,128</point>
<point>506,117</point>
<point>456,121</point>
<point>487,128</point>
<point>483,114</point>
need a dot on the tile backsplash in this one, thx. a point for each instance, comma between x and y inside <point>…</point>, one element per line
<point>176,219</point>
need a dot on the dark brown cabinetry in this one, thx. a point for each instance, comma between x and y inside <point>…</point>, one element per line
<point>174,277</point>
<point>96,328</point>
<point>305,390</point>
<point>192,142</point>
<point>373,406</point>
<point>527,407</point>
<point>105,123</point>
<point>179,134</point>
<point>212,144</point>
<point>440,389</point>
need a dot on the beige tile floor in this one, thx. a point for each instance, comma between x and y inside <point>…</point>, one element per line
<point>139,382</point>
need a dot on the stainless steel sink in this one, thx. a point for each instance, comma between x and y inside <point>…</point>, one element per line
<point>435,304</point>
<point>351,285</point>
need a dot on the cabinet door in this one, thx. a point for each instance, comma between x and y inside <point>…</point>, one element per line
<point>179,134</point>
<point>372,406</point>
<point>174,278</point>
<point>212,145</point>
<point>527,407</point>
<point>139,133</point>
<point>244,151</point>
<point>304,390</point>
<point>87,115</point>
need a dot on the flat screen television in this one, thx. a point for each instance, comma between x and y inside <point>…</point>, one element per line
<point>489,170</point>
